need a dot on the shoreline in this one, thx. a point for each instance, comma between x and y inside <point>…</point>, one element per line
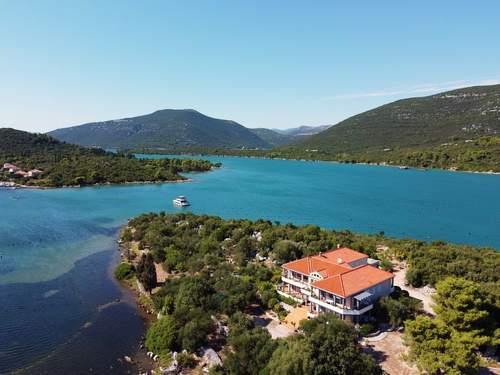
<point>376,164</point>
<point>13,185</point>
<point>140,362</point>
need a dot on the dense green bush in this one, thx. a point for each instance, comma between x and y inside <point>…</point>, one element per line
<point>327,346</point>
<point>124,271</point>
<point>464,323</point>
<point>397,308</point>
<point>367,328</point>
<point>162,335</point>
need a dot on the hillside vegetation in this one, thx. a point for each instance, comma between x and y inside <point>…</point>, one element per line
<point>215,278</point>
<point>452,116</point>
<point>65,164</point>
<point>167,129</point>
<point>457,130</point>
<point>273,137</point>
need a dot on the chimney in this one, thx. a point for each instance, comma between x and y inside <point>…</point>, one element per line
<point>338,246</point>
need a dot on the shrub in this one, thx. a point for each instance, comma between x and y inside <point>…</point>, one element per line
<point>161,336</point>
<point>366,329</point>
<point>124,271</point>
<point>186,360</point>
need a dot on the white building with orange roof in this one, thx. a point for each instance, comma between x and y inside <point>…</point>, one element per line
<point>341,281</point>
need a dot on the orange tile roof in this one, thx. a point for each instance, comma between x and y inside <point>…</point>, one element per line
<point>314,264</point>
<point>353,281</point>
<point>326,264</point>
<point>342,255</point>
<point>338,276</point>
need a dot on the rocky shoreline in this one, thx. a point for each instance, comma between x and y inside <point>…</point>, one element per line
<point>140,362</point>
<point>14,185</point>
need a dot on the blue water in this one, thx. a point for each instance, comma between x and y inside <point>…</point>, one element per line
<point>56,245</point>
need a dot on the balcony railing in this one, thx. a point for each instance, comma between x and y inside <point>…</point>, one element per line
<point>284,288</point>
<point>340,308</point>
<point>330,301</point>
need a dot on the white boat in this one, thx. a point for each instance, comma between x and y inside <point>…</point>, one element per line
<point>181,201</point>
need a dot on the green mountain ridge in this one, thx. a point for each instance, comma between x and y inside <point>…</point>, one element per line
<point>167,128</point>
<point>458,115</point>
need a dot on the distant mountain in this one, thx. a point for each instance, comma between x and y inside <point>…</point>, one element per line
<point>457,115</point>
<point>273,137</point>
<point>169,128</point>
<point>280,137</point>
<point>302,131</point>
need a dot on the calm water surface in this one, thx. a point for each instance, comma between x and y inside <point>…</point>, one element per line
<point>57,309</point>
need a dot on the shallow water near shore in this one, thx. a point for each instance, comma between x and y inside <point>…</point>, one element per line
<point>56,245</point>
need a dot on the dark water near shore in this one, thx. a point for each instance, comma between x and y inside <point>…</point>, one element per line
<point>80,322</point>
<point>56,246</point>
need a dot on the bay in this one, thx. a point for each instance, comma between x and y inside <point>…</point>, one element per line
<point>56,246</point>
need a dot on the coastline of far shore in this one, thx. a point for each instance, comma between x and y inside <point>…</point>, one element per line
<point>376,164</point>
<point>14,185</point>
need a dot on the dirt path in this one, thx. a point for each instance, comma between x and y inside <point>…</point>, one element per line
<point>388,352</point>
<point>424,294</point>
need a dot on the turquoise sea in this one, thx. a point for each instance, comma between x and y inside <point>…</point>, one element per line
<point>61,312</point>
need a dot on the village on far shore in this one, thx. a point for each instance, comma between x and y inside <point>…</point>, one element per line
<point>15,171</point>
<point>15,174</point>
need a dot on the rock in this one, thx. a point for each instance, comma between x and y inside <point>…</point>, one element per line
<point>127,359</point>
<point>211,357</point>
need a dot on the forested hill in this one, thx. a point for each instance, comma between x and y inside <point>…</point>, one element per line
<point>38,150</point>
<point>64,164</point>
<point>167,128</point>
<point>457,115</point>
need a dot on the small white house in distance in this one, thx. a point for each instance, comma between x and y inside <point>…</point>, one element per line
<point>34,172</point>
<point>11,168</point>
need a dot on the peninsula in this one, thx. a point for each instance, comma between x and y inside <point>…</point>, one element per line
<point>247,297</point>
<point>38,160</point>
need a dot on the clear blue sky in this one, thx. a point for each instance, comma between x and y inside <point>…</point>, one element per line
<point>262,63</point>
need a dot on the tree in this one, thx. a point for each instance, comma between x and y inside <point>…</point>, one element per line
<point>162,335</point>
<point>398,307</point>
<point>148,275</point>
<point>332,345</point>
<point>196,324</point>
<point>239,323</point>
<point>251,350</point>
<point>461,305</point>
<point>243,250</point>
<point>450,342</point>
<point>291,357</point>
<point>193,292</point>
<point>286,251</point>
<point>172,258</point>
<point>439,349</point>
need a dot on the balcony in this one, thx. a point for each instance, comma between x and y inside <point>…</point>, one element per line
<point>296,282</point>
<point>283,290</point>
<point>338,308</point>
